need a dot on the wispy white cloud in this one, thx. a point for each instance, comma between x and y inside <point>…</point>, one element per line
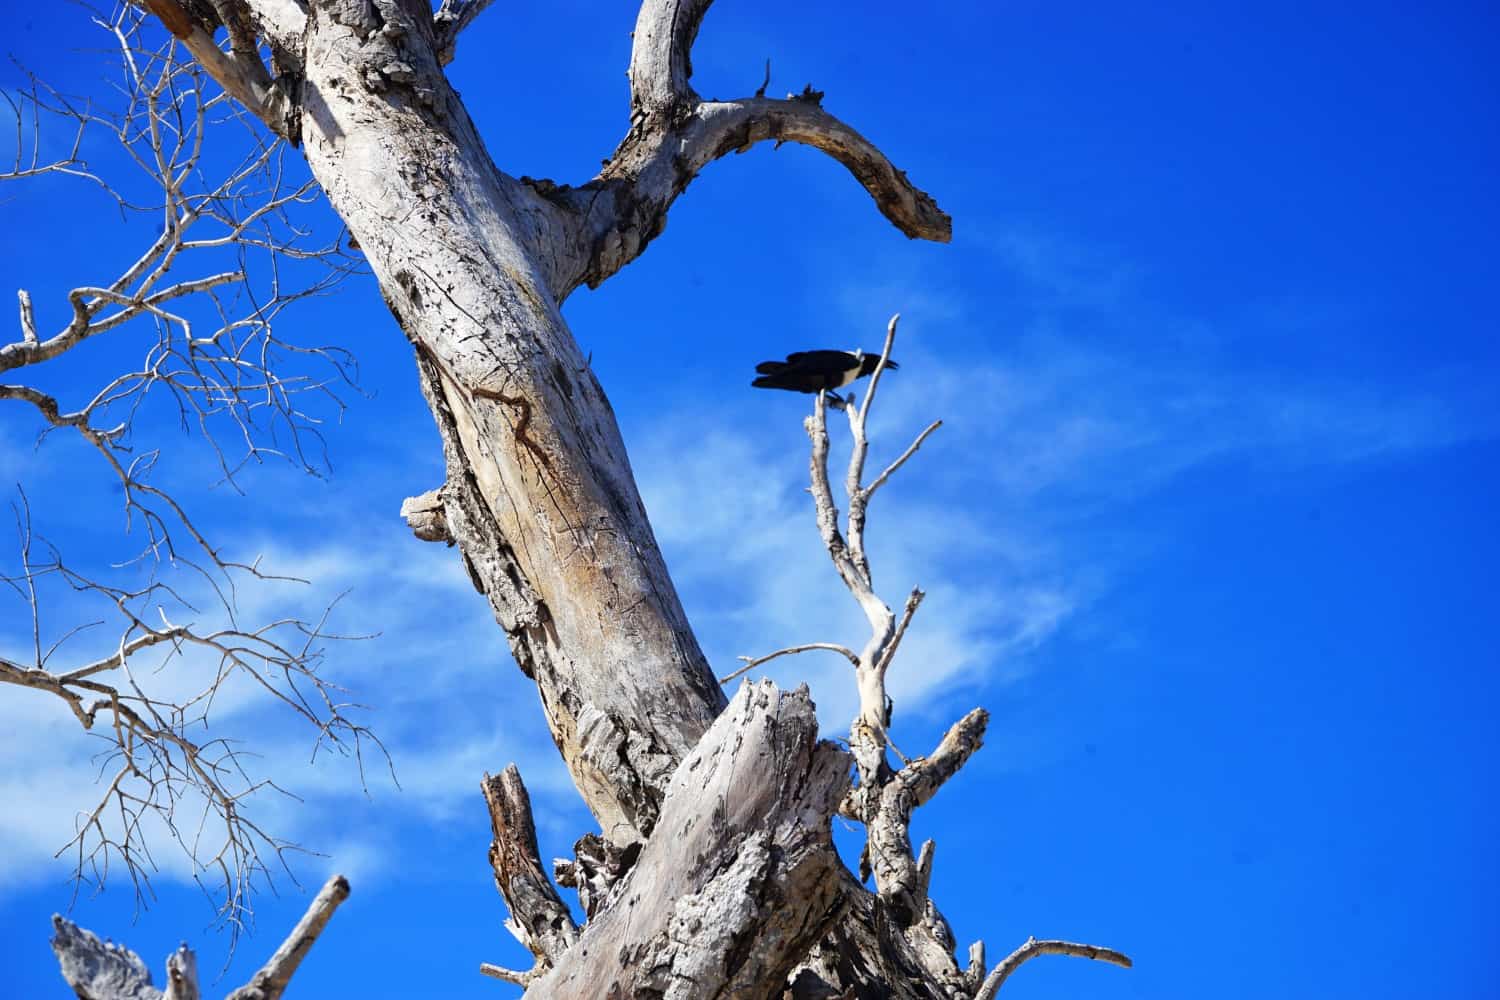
<point>1046,435</point>
<point>436,646</point>
<point>738,529</point>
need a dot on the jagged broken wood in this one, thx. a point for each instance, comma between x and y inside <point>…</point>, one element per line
<point>743,879</point>
<point>539,919</point>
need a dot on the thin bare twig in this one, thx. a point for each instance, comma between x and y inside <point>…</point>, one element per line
<point>521,979</point>
<point>228,254</point>
<point>752,662</point>
<point>1032,948</point>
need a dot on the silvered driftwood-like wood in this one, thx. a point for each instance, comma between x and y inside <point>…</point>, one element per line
<point>742,878</point>
<point>473,263</point>
<point>540,496</point>
<point>674,133</point>
<point>99,970</point>
<point>896,942</point>
<point>1032,948</point>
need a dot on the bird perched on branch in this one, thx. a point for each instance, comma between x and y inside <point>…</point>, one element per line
<point>817,371</point>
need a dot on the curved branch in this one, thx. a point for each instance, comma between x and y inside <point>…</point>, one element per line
<point>1032,948</point>
<point>752,662</point>
<point>608,222</point>
<point>734,126</point>
<point>450,21</point>
<point>625,207</point>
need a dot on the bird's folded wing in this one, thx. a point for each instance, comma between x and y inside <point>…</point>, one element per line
<point>822,360</point>
<point>790,381</point>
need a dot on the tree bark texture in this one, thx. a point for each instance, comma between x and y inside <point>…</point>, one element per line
<point>540,497</point>
<point>742,879</point>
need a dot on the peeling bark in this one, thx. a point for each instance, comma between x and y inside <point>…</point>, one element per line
<point>98,970</point>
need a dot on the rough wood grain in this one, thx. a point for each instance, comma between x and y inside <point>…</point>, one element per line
<point>540,495</point>
<point>99,970</point>
<point>539,919</point>
<point>271,979</point>
<point>741,878</point>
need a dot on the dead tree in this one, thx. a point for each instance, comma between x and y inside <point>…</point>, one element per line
<point>202,301</point>
<point>740,892</point>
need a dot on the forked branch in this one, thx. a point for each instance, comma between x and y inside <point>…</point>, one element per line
<point>240,71</point>
<point>674,134</point>
<point>886,797</point>
<point>97,970</point>
<point>452,17</point>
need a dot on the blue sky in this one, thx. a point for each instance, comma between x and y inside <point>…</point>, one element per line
<point>1209,527</point>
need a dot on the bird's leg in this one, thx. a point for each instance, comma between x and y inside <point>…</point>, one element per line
<point>835,401</point>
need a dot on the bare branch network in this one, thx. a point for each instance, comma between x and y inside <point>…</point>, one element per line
<point>714,874</point>
<point>229,252</point>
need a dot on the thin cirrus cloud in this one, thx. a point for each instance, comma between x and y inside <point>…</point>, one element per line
<point>1047,439</point>
<point>996,518</point>
<point>431,644</point>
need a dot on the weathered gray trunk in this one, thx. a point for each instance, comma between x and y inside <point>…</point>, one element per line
<point>540,498</point>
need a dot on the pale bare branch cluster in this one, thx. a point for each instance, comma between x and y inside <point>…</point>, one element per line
<point>227,215</point>
<point>164,778</point>
<point>885,797</point>
<point>230,251</point>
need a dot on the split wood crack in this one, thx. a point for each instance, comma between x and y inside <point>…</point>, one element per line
<point>521,429</point>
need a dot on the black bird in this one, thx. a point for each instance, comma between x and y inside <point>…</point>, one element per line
<point>817,371</point>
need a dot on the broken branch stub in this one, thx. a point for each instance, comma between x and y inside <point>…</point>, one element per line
<point>539,918</point>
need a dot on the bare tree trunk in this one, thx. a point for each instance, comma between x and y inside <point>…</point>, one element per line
<point>540,496</point>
